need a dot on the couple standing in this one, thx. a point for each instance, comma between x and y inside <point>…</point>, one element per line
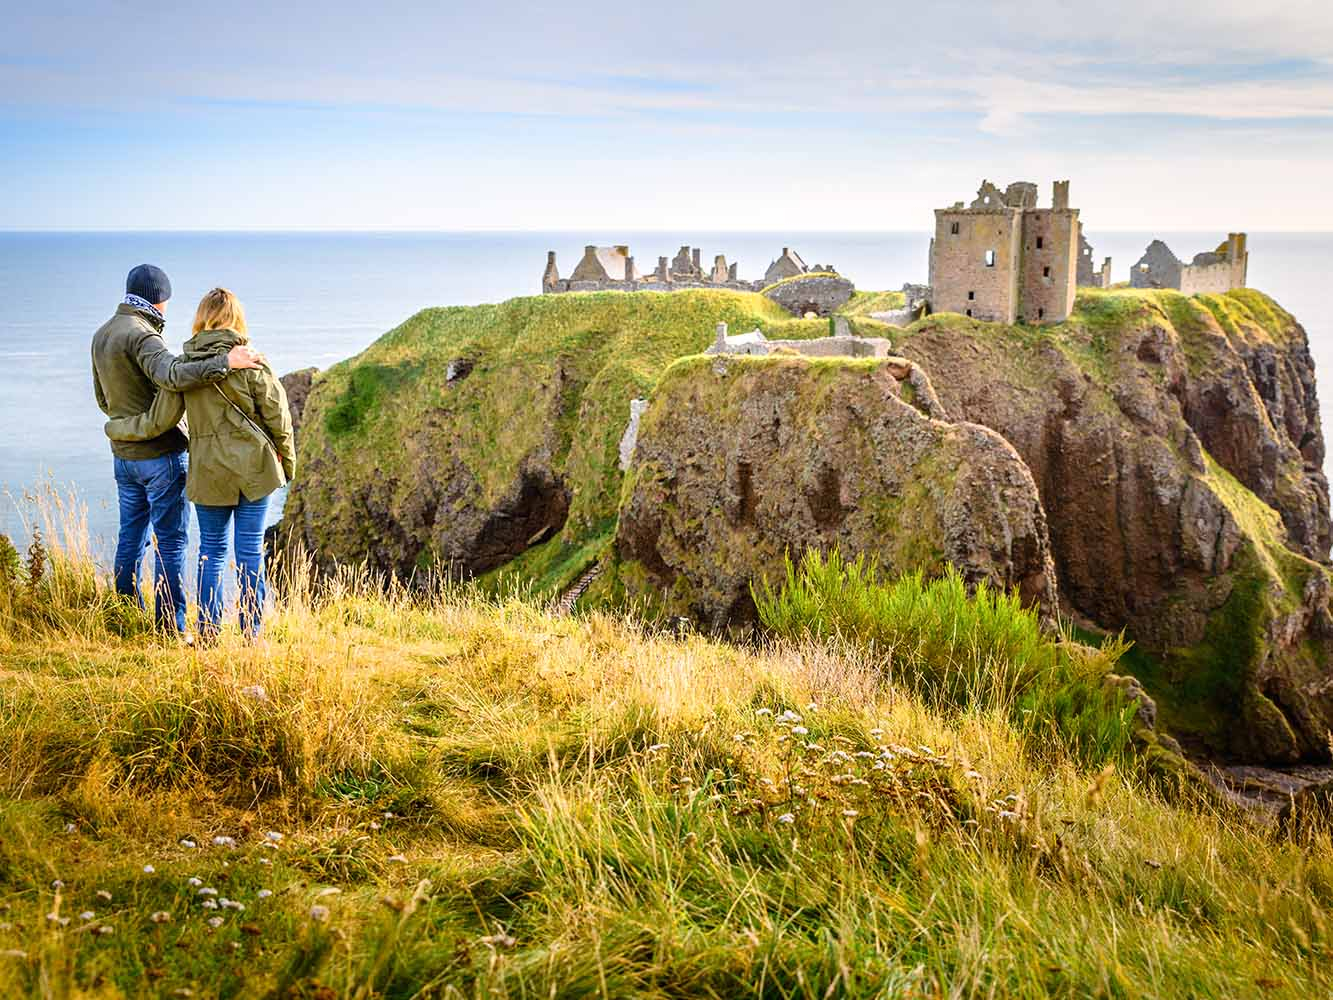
<point>240,447</point>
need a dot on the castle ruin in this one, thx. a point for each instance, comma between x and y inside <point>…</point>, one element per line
<point>1003,259</point>
<point>1087,276</point>
<point>1215,271</point>
<point>613,268</point>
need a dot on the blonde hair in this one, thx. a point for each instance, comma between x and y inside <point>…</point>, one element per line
<point>220,310</point>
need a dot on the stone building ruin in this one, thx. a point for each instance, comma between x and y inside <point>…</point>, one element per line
<point>613,268</point>
<point>1214,271</point>
<point>1003,259</point>
<point>1088,277</point>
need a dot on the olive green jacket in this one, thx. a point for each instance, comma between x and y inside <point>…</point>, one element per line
<point>130,363</point>
<point>241,440</point>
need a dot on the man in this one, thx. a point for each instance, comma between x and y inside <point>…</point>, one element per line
<point>130,363</point>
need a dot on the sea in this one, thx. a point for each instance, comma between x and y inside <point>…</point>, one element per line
<point>316,298</point>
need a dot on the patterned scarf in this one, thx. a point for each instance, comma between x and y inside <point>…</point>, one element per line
<point>143,305</point>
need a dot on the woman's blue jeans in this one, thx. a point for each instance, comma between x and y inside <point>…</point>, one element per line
<point>246,521</point>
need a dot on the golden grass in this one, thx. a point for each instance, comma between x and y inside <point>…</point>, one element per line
<point>512,804</point>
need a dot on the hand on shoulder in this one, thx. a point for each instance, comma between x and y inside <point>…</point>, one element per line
<point>244,356</point>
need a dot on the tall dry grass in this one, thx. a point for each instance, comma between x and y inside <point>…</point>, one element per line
<point>474,798</point>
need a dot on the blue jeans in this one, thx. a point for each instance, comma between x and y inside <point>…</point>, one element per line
<point>151,491</point>
<point>246,521</point>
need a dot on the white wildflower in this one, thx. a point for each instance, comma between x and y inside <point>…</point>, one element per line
<point>56,918</point>
<point>972,775</point>
<point>148,869</point>
<point>87,915</point>
<point>70,828</point>
<point>274,836</point>
<point>224,841</point>
<point>215,922</point>
<point>374,825</point>
<point>1008,814</point>
<point>787,818</point>
<point>263,861</point>
<point>207,890</point>
<point>209,904</point>
<point>231,904</point>
<point>811,707</point>
<point>255,692</point>
<point>319,913</point>
<point>104,930</point>
<point>799,731</point>
<point>763,711</point>
<point>264,893</point>
<point>57,885</point>
<point>193,881</point>
<point>850,813</point>
<point>160,917</point>
<point>188,844</point>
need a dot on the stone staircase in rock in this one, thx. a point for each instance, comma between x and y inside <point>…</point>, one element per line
<point>570,597</point>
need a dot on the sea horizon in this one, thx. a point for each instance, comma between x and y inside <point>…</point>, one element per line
<point>316,297</point>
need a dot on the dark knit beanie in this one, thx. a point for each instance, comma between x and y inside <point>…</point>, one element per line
<point>149,283</point>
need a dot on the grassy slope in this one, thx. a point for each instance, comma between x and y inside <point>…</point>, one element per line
<point>515,805</point>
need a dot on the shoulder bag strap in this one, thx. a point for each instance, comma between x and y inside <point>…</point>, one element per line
<point>263,434</point>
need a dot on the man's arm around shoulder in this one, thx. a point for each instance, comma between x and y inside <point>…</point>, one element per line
<point>168,371</point>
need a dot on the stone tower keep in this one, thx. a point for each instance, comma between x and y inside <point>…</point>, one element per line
<point>1003,259</point>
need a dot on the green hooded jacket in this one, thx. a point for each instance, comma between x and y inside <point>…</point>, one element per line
<point>241,441</point>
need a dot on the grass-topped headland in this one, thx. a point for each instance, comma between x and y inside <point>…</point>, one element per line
<point>415,794</point>
<point>1173,441</point>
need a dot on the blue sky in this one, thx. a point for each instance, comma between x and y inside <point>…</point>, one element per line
<point>715,116</point>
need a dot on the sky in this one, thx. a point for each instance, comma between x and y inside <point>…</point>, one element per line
<point>719,115</point>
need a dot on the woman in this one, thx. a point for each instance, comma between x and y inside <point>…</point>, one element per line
<point>241,450</point>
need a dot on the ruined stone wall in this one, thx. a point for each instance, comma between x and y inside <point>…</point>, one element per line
<point>962,281</point>
<point>819,294</point>
<point>1049,265</point>
<point>1157,268</point>
<point>1196,279</point>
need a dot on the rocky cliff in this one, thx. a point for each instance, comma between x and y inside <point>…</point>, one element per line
<point>1173,444</point>
<point>1177,447</point>
<point>741,461</point>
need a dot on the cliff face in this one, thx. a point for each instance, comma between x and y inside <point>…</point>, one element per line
<point>742,460</point>
<point>1177,448</point>
<point>470,439</point>
<point>1173,443</point>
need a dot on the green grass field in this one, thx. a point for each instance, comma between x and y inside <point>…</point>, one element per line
<point>440,795</point>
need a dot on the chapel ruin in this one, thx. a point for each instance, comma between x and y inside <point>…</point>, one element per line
<point>1214,271</point>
